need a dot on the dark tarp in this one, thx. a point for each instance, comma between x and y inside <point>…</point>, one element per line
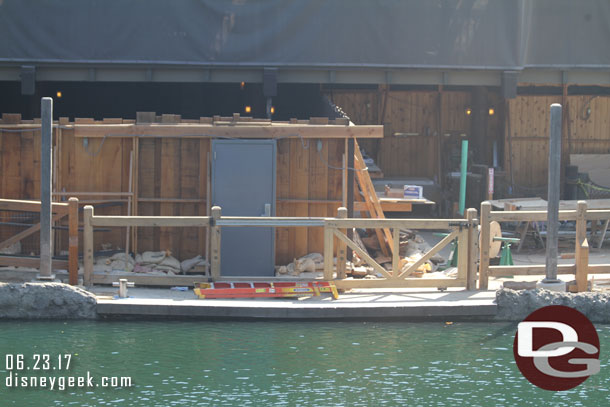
<point>488,34</point>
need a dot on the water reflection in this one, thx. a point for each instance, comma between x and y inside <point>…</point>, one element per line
<point>300,363</point>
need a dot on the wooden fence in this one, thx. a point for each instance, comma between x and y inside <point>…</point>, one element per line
<point>462,229</point>
<point>581,268</point>
<point>59,211</point>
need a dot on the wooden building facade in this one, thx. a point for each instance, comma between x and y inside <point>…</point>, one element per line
<point>159,165</point>
<point>420,127</point>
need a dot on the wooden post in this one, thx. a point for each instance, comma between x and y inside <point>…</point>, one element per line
<point>342,247</point>
<point>471,276</point>
<point>328,252</point>
<point>215,238</point>
<point>552,225</point>
<point>350,186</point>
<point>73,241</point>
<point>395,252</point>
<point>484,246</point>
<point>46,107</point>
<point>88,246</point>
<point>581,246</point>
<point>129,202</point>
<point>582,266</point>
<point>463,254</point>
<point>344,180</point>
<point>136,166</point>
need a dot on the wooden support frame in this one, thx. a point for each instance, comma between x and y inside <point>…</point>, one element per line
<point>60,210</point>
<point>333,227</point>
<point>581,268</point>
<point>73,241</point>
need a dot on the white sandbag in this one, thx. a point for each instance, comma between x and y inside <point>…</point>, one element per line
<point>172,262</point>
<point>188,264</point>
<point>152,257</point>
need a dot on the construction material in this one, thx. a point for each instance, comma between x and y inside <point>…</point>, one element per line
<point>261,289</point>
<point>371,200</point>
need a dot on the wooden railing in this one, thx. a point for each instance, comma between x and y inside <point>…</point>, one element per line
<point>581,268</point>
<point>59,210</point>
<point>462,229</point>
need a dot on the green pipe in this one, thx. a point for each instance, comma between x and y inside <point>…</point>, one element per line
<point>463,176</point>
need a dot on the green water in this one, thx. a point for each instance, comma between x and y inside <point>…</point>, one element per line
<point>288,363</point>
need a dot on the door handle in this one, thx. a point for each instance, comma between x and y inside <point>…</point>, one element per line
<point>267,212</point>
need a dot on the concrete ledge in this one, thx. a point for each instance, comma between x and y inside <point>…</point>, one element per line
<point>294,309</point>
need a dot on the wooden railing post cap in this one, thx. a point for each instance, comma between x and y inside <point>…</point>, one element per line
<point>88,208</point>
<point>342,212</point>
<point>216,211</point>
<point>72,199</point>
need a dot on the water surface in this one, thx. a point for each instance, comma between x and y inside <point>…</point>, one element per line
<point>289,363</point>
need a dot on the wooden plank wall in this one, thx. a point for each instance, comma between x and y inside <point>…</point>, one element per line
<point>424,115</point>
<point>168,169</point>
<point>304,173</point>
<point>20,175</point>
<point>528,121</point>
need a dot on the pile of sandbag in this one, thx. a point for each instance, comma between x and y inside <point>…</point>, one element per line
<point>310,263</point>
<point>156,263</point>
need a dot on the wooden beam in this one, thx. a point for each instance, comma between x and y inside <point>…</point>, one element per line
<point>31,262</point>
<point>73,241</point>
<point>274,130</point>
<point>30,206</point>
<point>215,240</point>
<point>341,247</point>
<point>437,248</point>
<point>347,284</point>
<point>151,221</point>
<point>399,223</point>
<point>582,266</point>
<point>473,242</point>
<point>364,255</point>
<point>484,245</point>
<point>148,280</point>
<point>529,270</point>
<point>93,193</point>
<point>539,216</point>
<point>88,246</point>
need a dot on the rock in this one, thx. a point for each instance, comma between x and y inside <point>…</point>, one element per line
<point>46,301</point>
<point>516,305</point>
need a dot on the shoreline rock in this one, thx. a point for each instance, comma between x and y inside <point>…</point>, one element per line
<point>45,301</point>
<point>516,305</point>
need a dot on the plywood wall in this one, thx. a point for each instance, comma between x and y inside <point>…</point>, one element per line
<point>528,126</point>
<point>414,122</point>
<point>170,179</point>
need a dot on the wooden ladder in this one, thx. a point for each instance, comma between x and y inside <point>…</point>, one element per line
<point>371,201</point>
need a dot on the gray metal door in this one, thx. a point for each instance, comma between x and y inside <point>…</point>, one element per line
<point>243,184</point>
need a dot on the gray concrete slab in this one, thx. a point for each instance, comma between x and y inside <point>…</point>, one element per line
<point>359,304</point>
